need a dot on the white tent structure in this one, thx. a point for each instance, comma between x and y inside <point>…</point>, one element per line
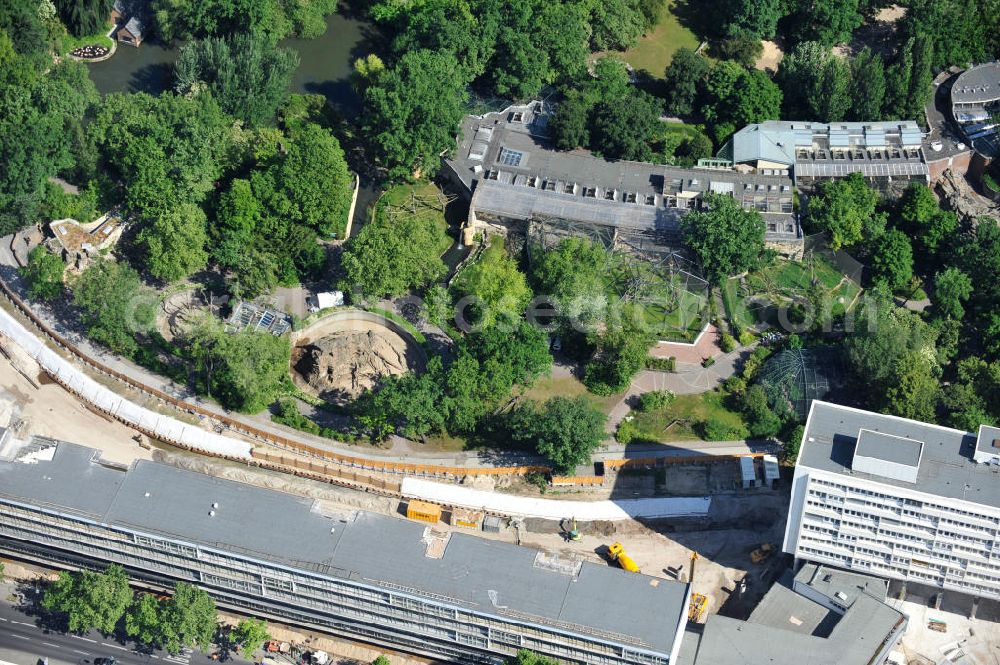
<point>154,424</point>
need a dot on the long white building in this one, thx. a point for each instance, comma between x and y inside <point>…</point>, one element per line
<point>899,499</point>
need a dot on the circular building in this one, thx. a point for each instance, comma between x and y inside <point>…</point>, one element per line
<point>975,104</point>
<point>793,378</point>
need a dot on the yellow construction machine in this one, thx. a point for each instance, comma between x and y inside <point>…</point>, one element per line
<point>617,553</point>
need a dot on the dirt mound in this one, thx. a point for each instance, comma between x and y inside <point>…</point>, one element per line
<point>343,364</point>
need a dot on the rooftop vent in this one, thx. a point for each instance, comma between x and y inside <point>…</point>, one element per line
<point>996,443</point>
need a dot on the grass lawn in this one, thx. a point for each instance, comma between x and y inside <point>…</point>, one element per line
<point>568,386</point>
<point>736,307</point>
<point>656,48</point>
<point>678,421</point>
<point>69,42</point>
<point>781,282</point>
<point>796,276</point>
<point>423,200</point>
<point>659,301</point>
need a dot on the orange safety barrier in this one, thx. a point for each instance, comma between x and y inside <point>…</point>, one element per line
<point>577,481</point>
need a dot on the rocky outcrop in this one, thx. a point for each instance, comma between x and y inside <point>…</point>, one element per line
<point>957,194</point>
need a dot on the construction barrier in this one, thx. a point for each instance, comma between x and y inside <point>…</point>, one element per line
<point>577,481</point>
<point>232,423</point>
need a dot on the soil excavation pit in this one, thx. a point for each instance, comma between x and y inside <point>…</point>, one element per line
<point>348,352</point>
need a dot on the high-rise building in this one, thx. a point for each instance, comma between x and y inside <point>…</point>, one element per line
<point>899,499</point>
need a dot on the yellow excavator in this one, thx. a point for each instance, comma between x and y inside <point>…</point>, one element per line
<point>617,553</point>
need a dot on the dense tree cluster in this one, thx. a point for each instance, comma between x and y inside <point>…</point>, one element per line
<point>727,239</point>
<point>43,274</point>
<point>608,115</point>
<point>268,224</point>
<point>734,96</point>
<point>273,19</point>
<point>566,430</point>
<point>389,257</point>
<point>41,120</point>
<point>84,17</point>
<point>457,398</point>
<point>247,75</point>
<point>512,49</point>
<point>103,601</point>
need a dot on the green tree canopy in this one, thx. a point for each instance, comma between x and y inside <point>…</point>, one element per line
<point>567,430</point>
<point>952,287</point>
<point>618,356</point>
<point>40,116</point>
<point>726,238</point>
<point>623,129</point>
<point>115,305</point>
<point>816,84</point>
<point>735,96</point>
<point>84,17</point>
<point>166,150</point>
<point>43,273</point>
<point>844,207</point>
<point>683,80</point>
<point>893,357</point>
<point>245,371</point>
<point>175,242</point>
<point>828,22</point>
<point>868,86</point>
<point>185,20</point>
<point>892,259</point>
<point>143,620</point>
<point>250,634</point>
<point>388,258</point>
<point>487,365</point>
<point>754,18</point>
<point>188,619</point>
<point>500,289</point>
<point>413,110</point>
<point>574,274</point>
<point>526,657</point>
<point>90,600</point>
<point>606,113</point>
<point>268,226</point>
<point>246,73</point>
<point>920,216</point>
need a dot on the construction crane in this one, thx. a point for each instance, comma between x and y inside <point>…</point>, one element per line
<point>699,602</point>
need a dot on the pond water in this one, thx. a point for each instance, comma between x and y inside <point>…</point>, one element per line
<point>325,65</point>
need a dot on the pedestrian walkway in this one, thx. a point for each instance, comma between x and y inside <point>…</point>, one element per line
<point>706,345</point>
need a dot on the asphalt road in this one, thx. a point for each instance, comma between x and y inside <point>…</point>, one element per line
<point>24,642</point>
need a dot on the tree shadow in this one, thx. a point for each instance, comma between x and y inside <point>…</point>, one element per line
<point>692,15</point>
<point>154,78</point>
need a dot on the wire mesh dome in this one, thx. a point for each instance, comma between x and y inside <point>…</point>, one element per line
<point>793,378</point>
